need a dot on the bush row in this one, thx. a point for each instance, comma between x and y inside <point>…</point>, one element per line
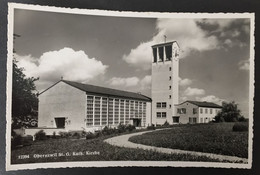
<point>108,131</point>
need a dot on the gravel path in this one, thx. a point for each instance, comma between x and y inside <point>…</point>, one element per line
<point>122,141</point>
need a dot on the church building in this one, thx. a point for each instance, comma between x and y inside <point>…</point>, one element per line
<point>68,105</point>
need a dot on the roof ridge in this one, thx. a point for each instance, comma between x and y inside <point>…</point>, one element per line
<point>105,90</point>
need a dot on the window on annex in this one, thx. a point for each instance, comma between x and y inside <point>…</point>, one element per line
<point>168,50</point>
<point>161,53</point>
<point>154,55</point>
<point>170,96</point>
<point>170,68</point>
<point>201,110</point>
<point>192,120</point>
<point>206,111</point>
<point>170,87</point>
<point>195,110</point>
<point>181,110</point>
<point>210,110</point>
<point>175,119</point>
<point>170,78</point>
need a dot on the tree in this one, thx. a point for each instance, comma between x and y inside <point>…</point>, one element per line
<point>229,113</point>
<point>24,98</point>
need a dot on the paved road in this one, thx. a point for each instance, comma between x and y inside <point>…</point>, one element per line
<point>122,141</point>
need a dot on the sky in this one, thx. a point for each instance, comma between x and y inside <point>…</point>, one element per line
<point>116,52</point>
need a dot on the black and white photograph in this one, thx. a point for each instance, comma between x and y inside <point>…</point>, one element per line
<point>96,88</point>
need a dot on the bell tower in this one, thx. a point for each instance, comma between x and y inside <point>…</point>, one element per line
<point>165,81</point>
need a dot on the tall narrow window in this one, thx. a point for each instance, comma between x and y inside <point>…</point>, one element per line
<point>97,111</point>
<point>170,68</point>
<point>168,50</point>
<point>170,87</point>
<point>170,96</point>
<point>110,110</point>
<point>201,110</point>
<point>155,55</point>
<point>170,78</point>
<point>161,54</point>
<point>90,109</point>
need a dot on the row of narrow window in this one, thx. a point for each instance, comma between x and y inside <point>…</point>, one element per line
<point>195,111</point>
<point>158,54</point>
<point>113,110</point>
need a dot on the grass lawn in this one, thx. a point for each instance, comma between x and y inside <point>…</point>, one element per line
<point>211,138</point>
<point>79,147</point>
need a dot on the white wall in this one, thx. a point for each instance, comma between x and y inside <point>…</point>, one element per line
<point>160,87</point>
<point>62,100</point>
<point>207,117</point>
<point>184,118</point>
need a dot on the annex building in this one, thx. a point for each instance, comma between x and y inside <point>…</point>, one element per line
<point>196,112</point>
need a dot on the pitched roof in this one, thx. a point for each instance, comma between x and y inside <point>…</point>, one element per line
<point>203,104</point>
<point>107,91</point>
<point>163,44</point>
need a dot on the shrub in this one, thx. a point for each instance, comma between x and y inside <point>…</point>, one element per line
<point>83,134</point>
<point>152,127</point>
<point>40,135</point>
<point>107,131</point>
<point>16,141</point>
<point>90,135</point>
<point>76,135</point>
<point>121,128</point>
<point>130,128</point>
<point>54,135</point>
<point>19,140</point>
<point>166,123</point>
<point>240,127</point>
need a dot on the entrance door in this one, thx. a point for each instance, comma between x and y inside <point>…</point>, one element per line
<point>60,122</point>
<point>137,122</point>
<point>176,119</point>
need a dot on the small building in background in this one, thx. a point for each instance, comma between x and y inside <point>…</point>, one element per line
<point>195,112</point>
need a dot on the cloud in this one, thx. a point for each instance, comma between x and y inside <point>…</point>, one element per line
<point>68,63</point>
<point>193,91</point>
<point>141,56</point>
<point>244,65</point>
<point>146,82</point>
<point>186,32</point>
<point>210,98</point>
<point>185,82</point>
<point>219,23</point>
<point>127,82</point>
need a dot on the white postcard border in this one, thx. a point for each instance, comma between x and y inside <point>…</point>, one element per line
<point>9,166</point>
